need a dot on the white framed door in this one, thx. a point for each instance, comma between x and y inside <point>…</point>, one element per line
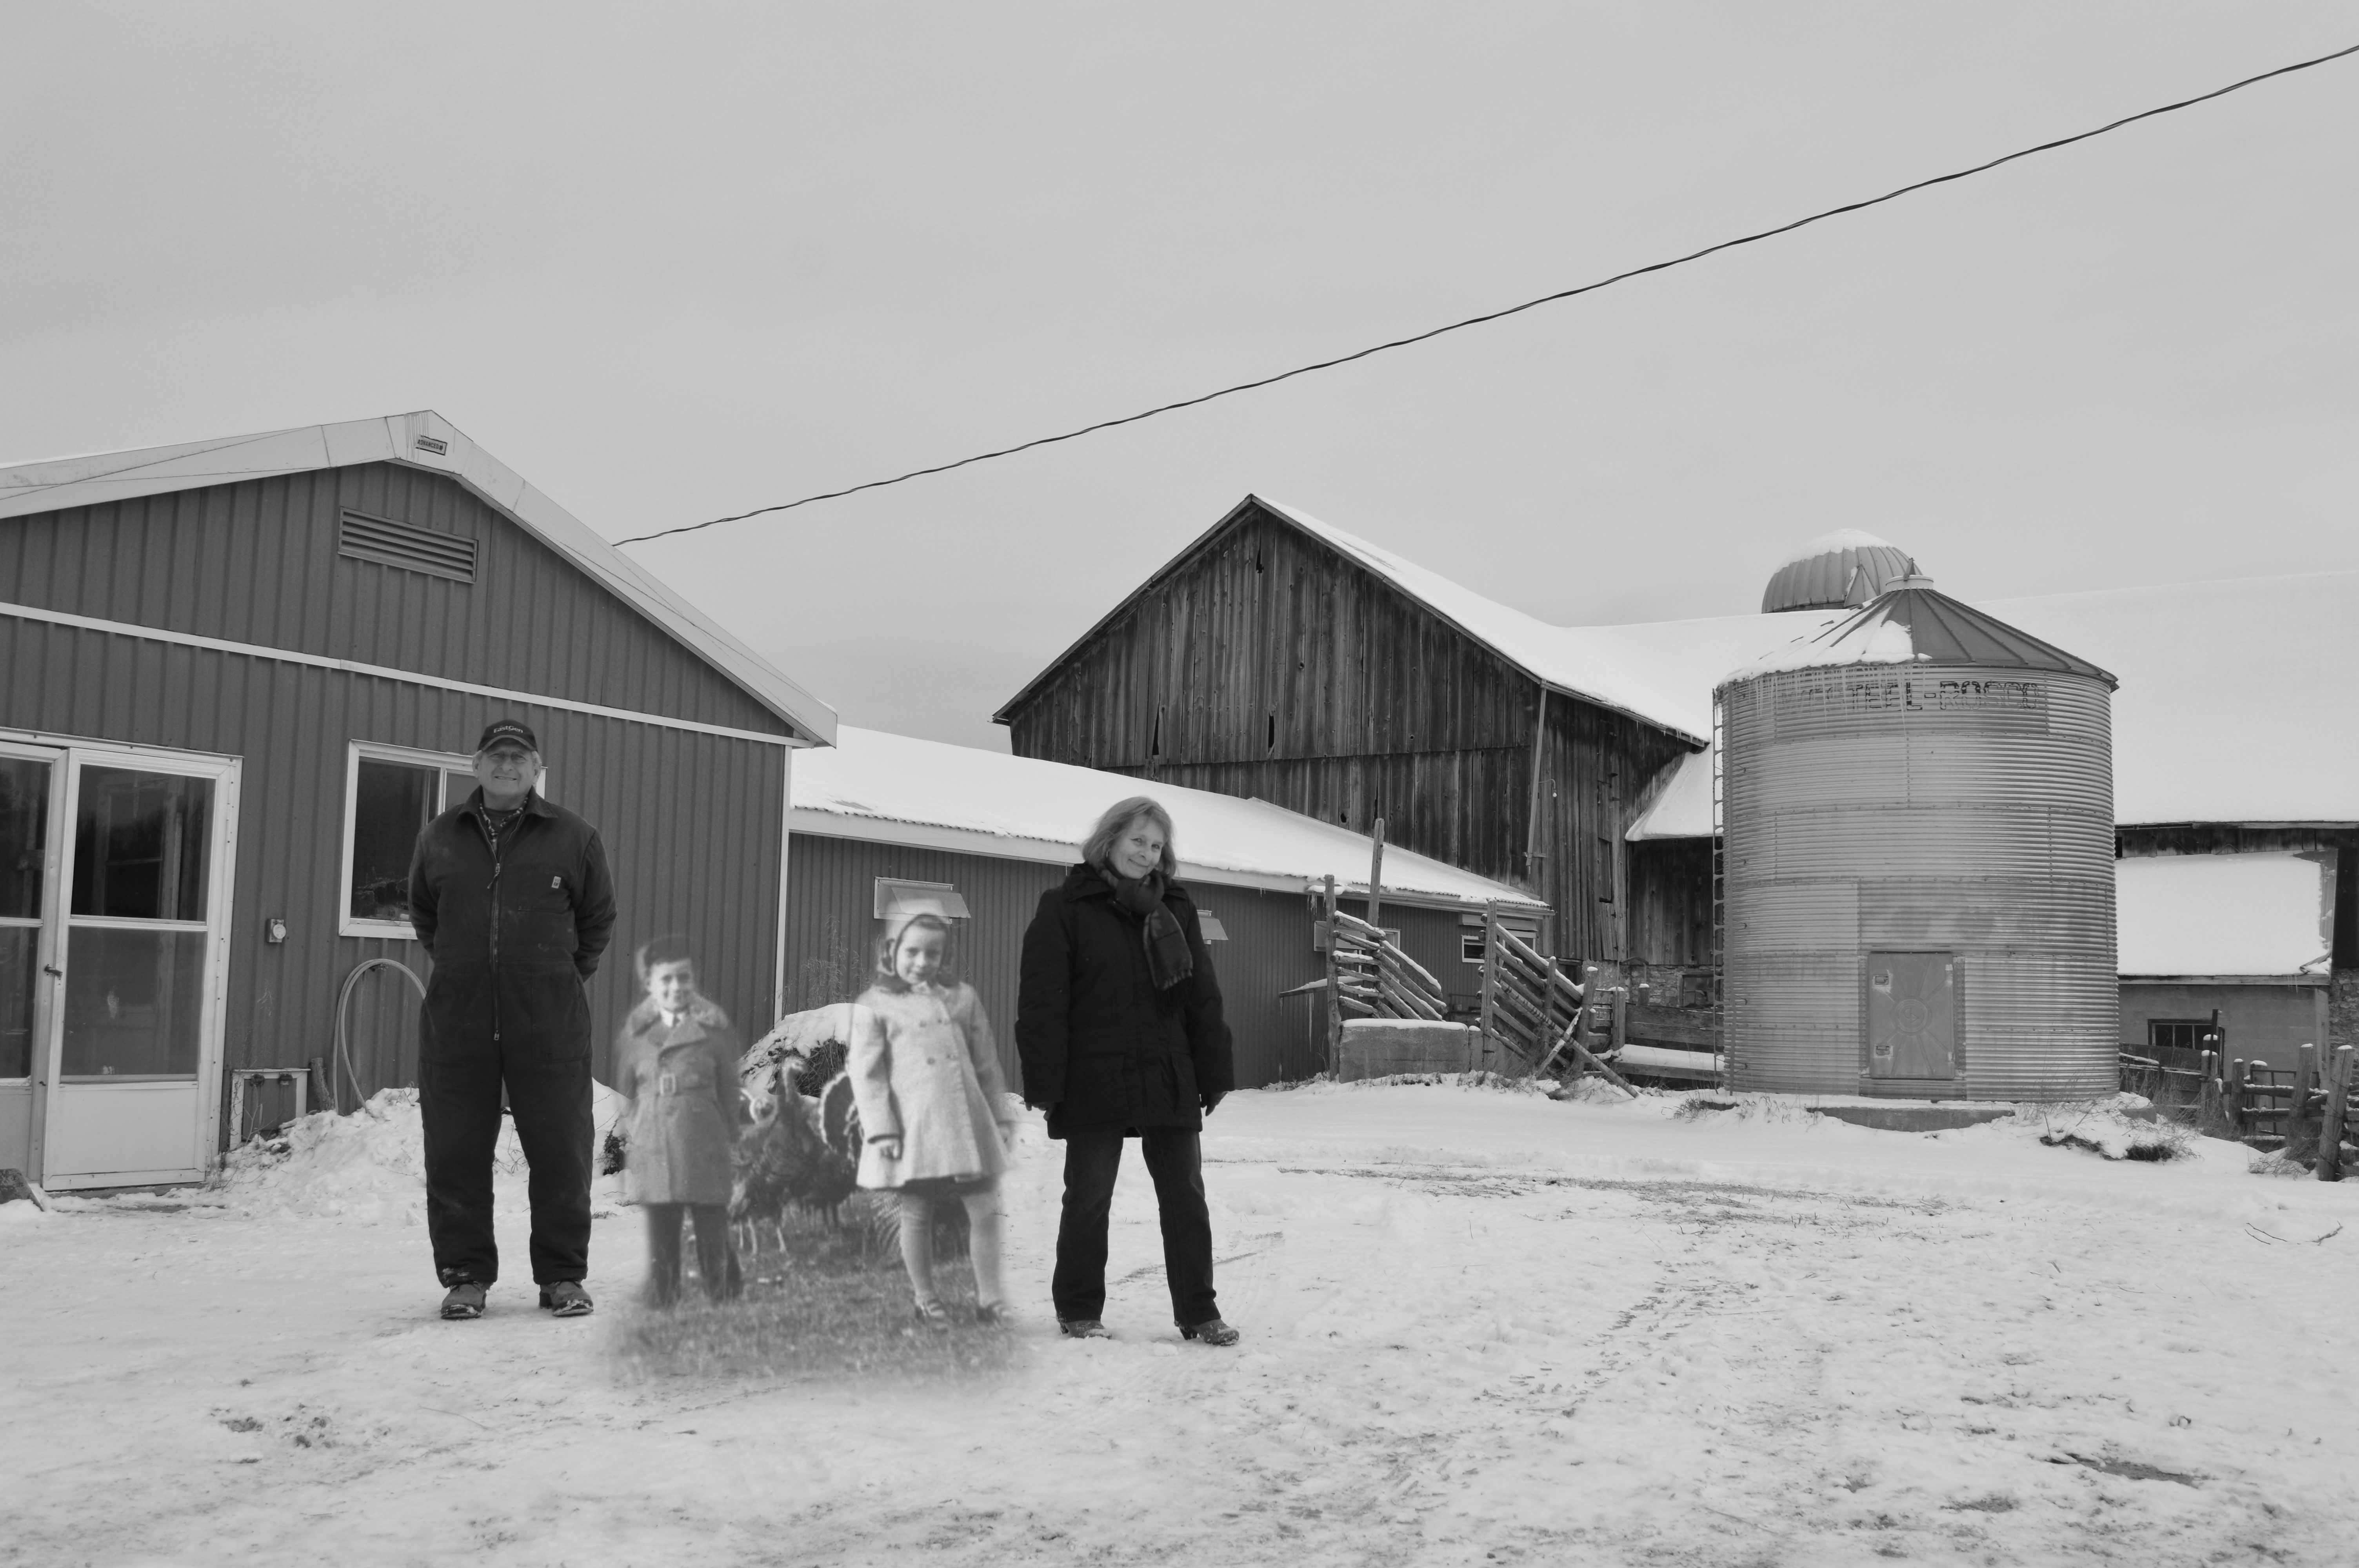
<point>32,780</point>
<point>140,968</point>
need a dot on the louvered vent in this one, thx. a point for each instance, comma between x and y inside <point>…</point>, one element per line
<point>366,538</point>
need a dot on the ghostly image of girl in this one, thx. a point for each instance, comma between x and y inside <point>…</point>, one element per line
<point>925,1072</point>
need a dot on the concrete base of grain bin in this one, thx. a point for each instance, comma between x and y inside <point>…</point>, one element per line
<point>1381,1047</point>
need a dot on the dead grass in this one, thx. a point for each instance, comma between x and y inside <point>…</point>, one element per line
<point>830,1306</point>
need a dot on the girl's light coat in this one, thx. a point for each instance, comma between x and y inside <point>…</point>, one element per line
<point>924,1068</point>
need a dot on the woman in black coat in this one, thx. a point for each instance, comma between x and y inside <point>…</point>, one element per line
<point>1118,1025</point>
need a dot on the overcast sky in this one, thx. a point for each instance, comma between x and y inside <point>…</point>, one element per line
<point>675,261</point>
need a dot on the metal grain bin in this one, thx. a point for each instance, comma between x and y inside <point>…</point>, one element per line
<point>1918,899</point>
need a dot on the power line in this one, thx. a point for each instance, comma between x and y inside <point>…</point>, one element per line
<point>1510,311</point>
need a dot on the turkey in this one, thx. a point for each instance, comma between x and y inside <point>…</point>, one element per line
<point>804,1146</point>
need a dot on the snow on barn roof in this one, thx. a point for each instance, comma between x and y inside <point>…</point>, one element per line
<point>422,439</point>
<point>2184,915</point>
<point>1650,671</point>
<point>2234,703</point>
<point>902,790</point>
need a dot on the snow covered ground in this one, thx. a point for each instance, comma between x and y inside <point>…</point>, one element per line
<point>1481,1327</point>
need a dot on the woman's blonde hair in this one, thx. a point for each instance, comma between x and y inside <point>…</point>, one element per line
<point>1098,849</point>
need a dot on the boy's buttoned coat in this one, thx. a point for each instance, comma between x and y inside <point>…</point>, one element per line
<point>925,1069</point>
<point>686,1108</point>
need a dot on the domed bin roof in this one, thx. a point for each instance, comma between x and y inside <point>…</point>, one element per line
<point>1914,623</point>
<point>1846,566</point>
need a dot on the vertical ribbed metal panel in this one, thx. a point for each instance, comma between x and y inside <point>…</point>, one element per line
<point>831,900</point>
<point>258,563</point>
<point>1940,825</point>
<point>691,823</point>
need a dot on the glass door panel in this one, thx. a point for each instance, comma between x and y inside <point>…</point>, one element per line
<point>26,779</point>
<point>134,1003</point>
<point>24,836</point>
<point>141,845</point>
<point>20,967</point>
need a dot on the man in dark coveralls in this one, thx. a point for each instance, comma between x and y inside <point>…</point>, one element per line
<point>512,899</point>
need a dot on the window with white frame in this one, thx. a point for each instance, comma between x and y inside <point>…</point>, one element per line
<point>391,792</point>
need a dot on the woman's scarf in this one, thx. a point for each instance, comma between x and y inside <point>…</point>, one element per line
<point>1168,958</point>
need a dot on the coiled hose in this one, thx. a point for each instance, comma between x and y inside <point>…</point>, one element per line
<point>343,1065</point>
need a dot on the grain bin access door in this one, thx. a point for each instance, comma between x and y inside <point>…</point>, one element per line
<point>1912,1015</point>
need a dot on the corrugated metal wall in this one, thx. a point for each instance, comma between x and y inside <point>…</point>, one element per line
<point>831,929</point>
<point>692,822</point>
<point>1854,826</point>
<point>258,563</point>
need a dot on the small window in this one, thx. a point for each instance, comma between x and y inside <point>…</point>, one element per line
<point>391,795</point>
<point>2178,1034</point>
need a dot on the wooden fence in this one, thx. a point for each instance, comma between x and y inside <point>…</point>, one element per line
<point>1538,1011</point>
<point>1375,978</point>
<point>2302,1111</point>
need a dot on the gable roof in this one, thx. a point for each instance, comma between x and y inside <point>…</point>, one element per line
<point>2236,702</point>
<point>426,440</point>
<point>902,790</point>
<point>1624,668</point>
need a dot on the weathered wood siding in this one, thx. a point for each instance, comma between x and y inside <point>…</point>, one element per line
<point>1265,663</point>
<point>1670,902</point>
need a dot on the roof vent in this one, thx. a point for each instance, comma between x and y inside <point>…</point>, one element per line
<point>391,544</point>
<point>434,443</point>
<point>1840,570</point>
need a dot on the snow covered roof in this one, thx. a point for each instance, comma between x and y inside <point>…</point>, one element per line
<point>1914,623</point>
<point>422,439</point>
<point>1684,808</point>
<point>2225,915</point>
<point>905,790</point>
<point>2235,704</point>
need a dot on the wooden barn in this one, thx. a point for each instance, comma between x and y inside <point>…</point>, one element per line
<point>236,677</point>
<point>1280,657</point>
<point>886,821</point>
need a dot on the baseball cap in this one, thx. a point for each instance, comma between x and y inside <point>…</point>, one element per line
<point>512,731</point>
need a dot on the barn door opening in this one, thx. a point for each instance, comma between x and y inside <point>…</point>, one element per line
<point>1912,1015</point>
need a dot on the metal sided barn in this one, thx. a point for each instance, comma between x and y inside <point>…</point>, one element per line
<point>236,678</point>
<point>884,821</point>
